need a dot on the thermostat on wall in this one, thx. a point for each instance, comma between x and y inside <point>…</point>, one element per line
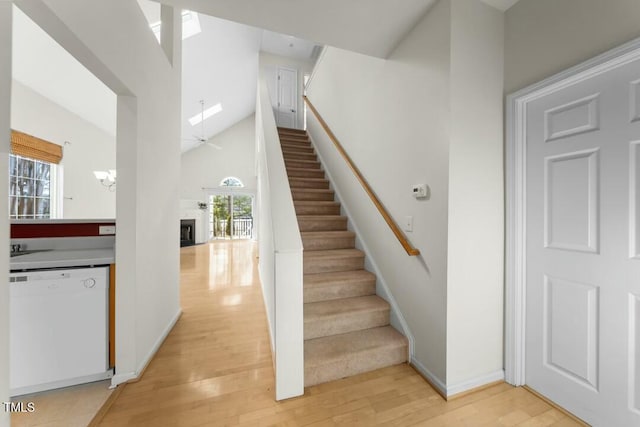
<point>420,191</point>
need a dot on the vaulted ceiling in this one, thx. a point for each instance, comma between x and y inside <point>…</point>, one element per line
<point>372,27</point>
<point>220,64</point>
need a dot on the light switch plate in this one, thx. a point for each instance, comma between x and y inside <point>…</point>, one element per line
<point>408,223</point>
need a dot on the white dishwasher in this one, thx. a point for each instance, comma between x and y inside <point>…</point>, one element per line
<point>59,328</point>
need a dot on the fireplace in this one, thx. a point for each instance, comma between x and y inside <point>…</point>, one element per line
<point>187,232</point>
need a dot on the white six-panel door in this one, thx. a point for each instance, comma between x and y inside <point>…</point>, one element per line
<point>583,247</point>
<point>287,97</point>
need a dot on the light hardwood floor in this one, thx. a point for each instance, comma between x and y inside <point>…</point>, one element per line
<point>215,369</point>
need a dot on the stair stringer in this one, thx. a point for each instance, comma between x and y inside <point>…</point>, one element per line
<point>397,320</point>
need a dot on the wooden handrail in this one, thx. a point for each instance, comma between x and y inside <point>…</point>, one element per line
<point>411,251</point>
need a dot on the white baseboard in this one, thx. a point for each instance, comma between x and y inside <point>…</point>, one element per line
<point>475,383</point>
<point>122,378</point>
<point>128,376</point>
<point>434,380</point>
<point>158,343</point>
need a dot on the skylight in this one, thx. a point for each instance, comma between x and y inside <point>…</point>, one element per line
<point>205,114</point>
<point>190,25</point>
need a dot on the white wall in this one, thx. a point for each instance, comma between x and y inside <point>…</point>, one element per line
<point>112,39</point>
<point>90,149</point>
<point>206,166</point>
<point>392,117</point>
<point>269,64</point>
<point>5,137</point>
<point>544,37</point>
<point>476,194</point>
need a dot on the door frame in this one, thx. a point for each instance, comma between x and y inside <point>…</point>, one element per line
<point>516,194</point>
<point>232,192</point>
<point>295,71</point>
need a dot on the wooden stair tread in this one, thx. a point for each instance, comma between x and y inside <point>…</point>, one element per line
<point>294,169</point>
<point>306,182</point>
<point>305,173</point>
<point>312,190</point>
<point>312,194</point>
<point>296,149</point>
<point>322,222</point>
<point>295,142</point>
<point>292,130</point>
<point>322,217</point>
<point>305,179</point>
<point>299,156</point>
<point>296,145</point>
<point>285,136</point>
<point>316,203</point>
<point>316,206</point>
<point>304,162</point>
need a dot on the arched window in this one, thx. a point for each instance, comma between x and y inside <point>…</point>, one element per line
<point>231,181</point>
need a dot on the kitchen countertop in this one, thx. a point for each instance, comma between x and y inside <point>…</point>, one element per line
<point>63,258</point>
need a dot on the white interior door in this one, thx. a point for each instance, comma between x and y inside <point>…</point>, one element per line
<point>583,247</point>
<point>286,115</point>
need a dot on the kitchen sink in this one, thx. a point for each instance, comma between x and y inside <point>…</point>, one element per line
<point>35,251</point>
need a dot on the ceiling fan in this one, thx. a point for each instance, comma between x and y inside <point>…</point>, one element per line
<point>202,139</point>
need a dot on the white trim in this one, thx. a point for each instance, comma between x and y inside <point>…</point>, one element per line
<point>454,389</point>
<point>517,103</point>
<point>475,383</point>
<point>127,376</point>
<point>298,95</point>
<point>380,281</point>
<point>122,378</point>
<point>433,379</point>
<point>316,66</point>
<point>158,343</point>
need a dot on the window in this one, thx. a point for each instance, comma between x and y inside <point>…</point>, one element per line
<point>190,25</point>
<point>30,188</point>
<point>231,182</point>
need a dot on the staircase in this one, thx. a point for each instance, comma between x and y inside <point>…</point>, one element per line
<point>346,325</point>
